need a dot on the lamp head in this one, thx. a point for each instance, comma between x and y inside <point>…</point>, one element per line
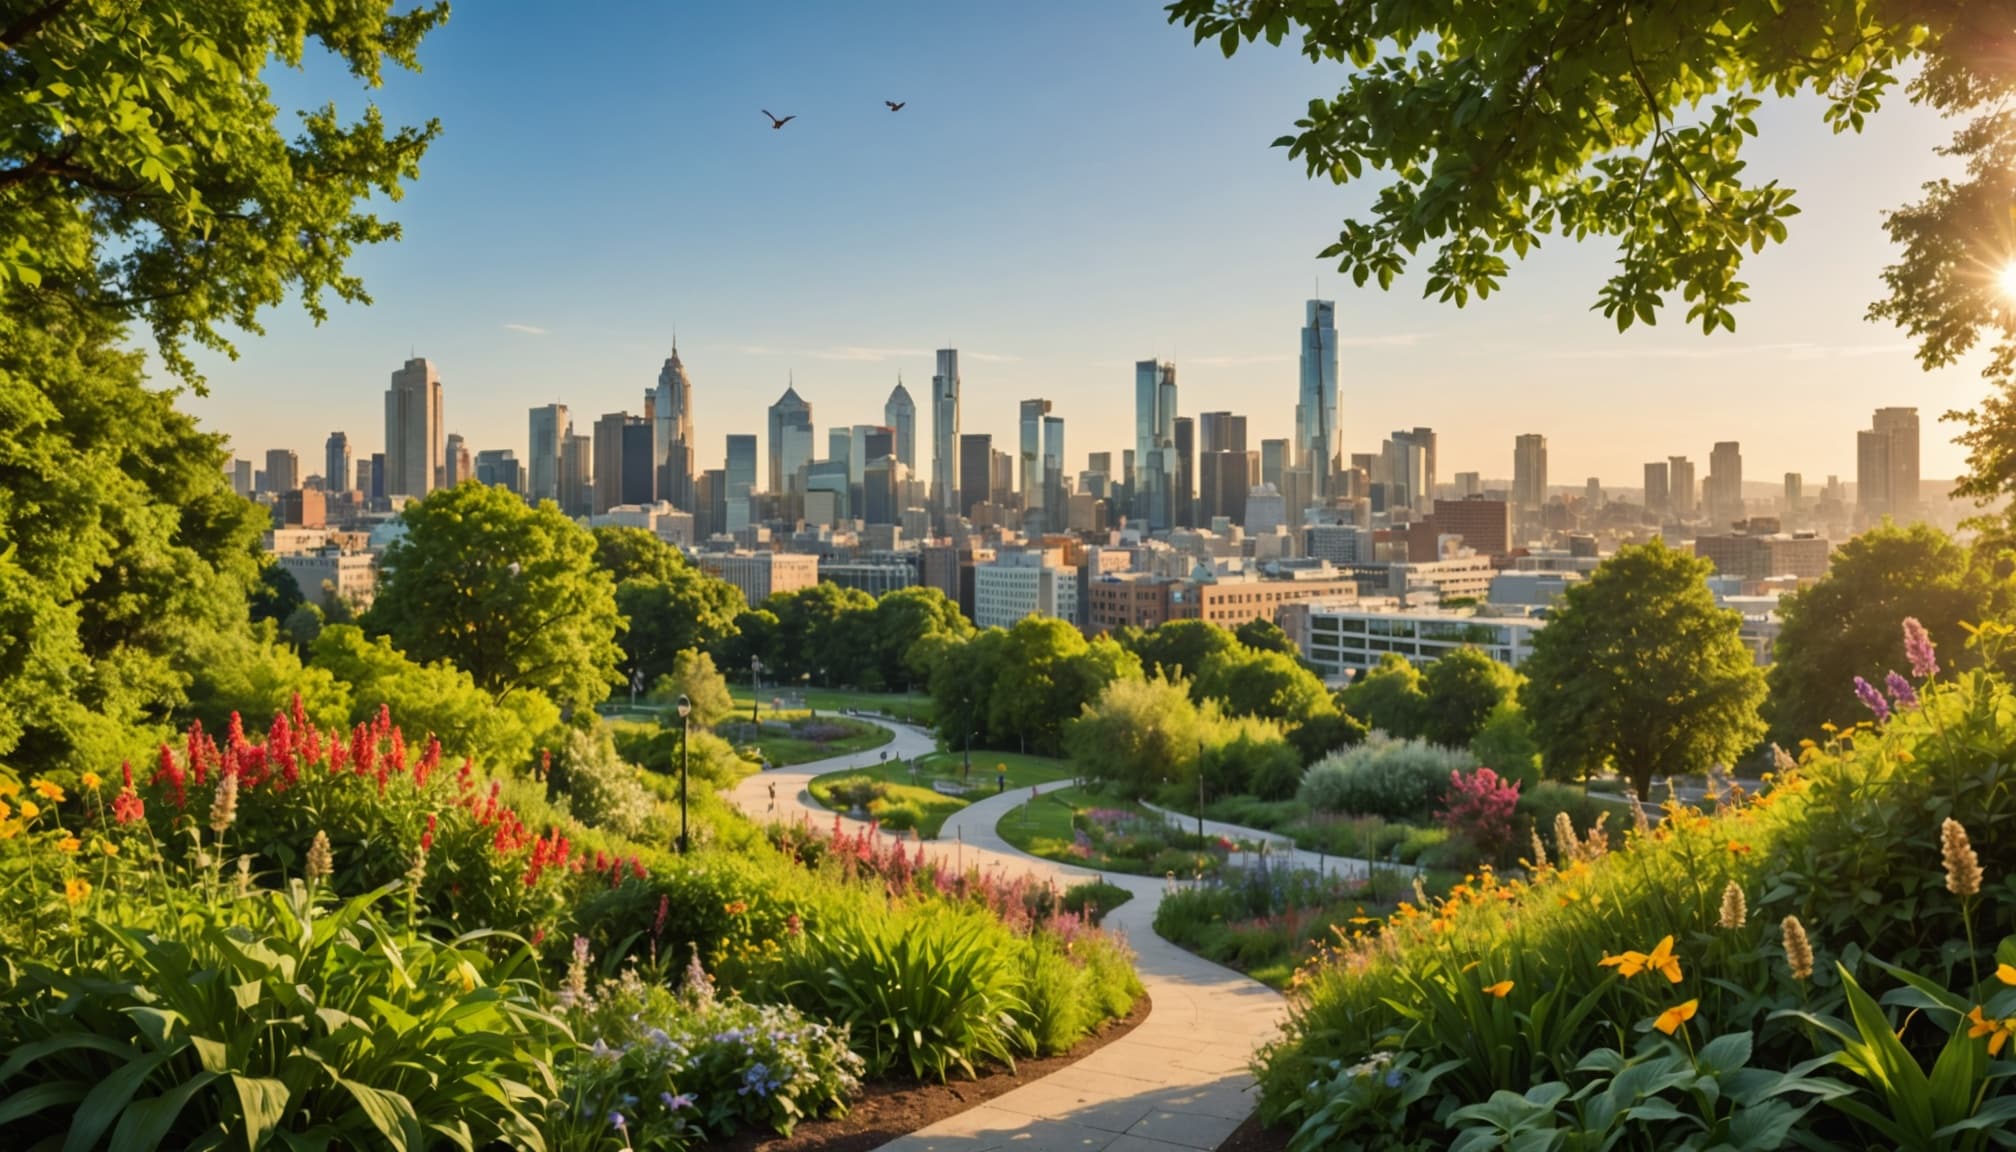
<point>685,706</point>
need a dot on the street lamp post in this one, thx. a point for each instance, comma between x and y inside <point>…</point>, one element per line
<point>755,686</point>
<point>1200,789</point>
<point>685,737</point>
<point>966,770</point>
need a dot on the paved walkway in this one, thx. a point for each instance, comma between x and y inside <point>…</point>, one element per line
<point>1279,847</point>
<point>1177,1083</point>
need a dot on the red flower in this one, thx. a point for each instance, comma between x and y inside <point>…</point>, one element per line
<point>127,807</point>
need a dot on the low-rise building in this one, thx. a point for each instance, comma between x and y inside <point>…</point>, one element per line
<point>330,574</point>
<point>1342,640</point>
<point>1014,585</point>
<point>873,577</point>
<point>761,575</point>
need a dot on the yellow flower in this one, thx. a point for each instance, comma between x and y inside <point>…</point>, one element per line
<point>109,848</point>
<point>5,811</point>
<point>1906,757</point>
<point>1997,1031</point>
<point>49,791</point>
<point>29,811</point>
<point>2006,973</point>
<point>1501,989</point>
<point>1671,1019</point>
<point>69,844</point>
<point>75,889</point>
<point>1663,961</point>
<point>9,789</point>
<point>1628,964</point>
<point>1472,964</point>
<point>92,780</point>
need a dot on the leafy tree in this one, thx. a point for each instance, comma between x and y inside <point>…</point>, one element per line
<point>302,626</point>
<point>1638,669</point>
<point>436,698</point>
<point>1323,733</point>
<point>254,672</point>
<point>1263,635</point>
<point>817,634</point>
<point>1047,673</point>
<point>910,626</point>
<point>1461,690</point>
<point>962,685</point>
<point>685,610</point>
<point>1388,697</point>
<point>1847,624</point>
<point>1137,734</point>
<point>1490,126</point>
<point>509,594</point>
<point>277,594</point>
<point>1180,647</point>
<point>752,636</point>
<point>693,676</point>
<point>635,554</point>
<point>1248,757</point>
<point>1265,684</point>
<point>1505,744</point>
<point>147,179</point>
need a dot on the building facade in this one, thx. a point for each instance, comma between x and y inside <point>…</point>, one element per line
<point>761,575</point>
<point>413,430</point>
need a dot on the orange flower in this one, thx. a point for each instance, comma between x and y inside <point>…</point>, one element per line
<point>1670,1020</point>
<point>29,811</point>
<point>1739,848</point>
<point>1628,965</point>
<point>109,848</point>
<point>737,908</point>
<point>76,889</point>
<point>69,844</point>
<point>2006,973</point>
<point>1501,989</point>
<point>49,791</point>
<point>91,781</point>
<point>1997,1031</point>
<point>1663,961</point>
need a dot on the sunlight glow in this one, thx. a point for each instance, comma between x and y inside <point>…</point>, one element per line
<point>2006,280</point>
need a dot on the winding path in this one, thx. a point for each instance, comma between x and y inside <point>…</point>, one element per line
<point>1177,1083</point>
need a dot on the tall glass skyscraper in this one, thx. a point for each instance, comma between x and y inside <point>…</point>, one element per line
<point>1054,503</point>
<point>900,412</point>
<point>336,463</point>
<point>549,428</point>
<point>1316,435</point>
<point>1155,461</point>
<point>945,435</point>
<point>413,443</point>
<point>790,439</point>
<point>741,471</point>
<point>1033,412</point>
<point>672,447</point>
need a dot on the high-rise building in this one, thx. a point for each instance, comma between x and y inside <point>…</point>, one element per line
<point>1724,491</point>
<point>672,445</point>
<point>1224,472</point>
<point>1795,494</point>
<point>1155,443</point>
<point>790,440</point>
<point>976,459</point>
<point>241,478</point>
<point>1658,490</point>
<point>1033,412</point>
<point>1316,411</point>
<point>499,467</point>
<point>1407,464</point>
<point>1056,513</point>
<point>455,459</point>
<point>1274,460</point>
<point>623,450</point>
<point>336,467</point>
<point>945,474</point>
<point>1529,472</point>
<point>577,474</point>
<point>1185,497</point>
<point>550,426</point>
<point>900,412</point>
<point>1886,467</point>
<point>283,470</point>
<point>413,442</point>
<point>740,474</point>
<point>381,474</point>
<point>1592,493</point>
<point>1469,484</point>
<point>1001,487</point>
<point>1680,486</point>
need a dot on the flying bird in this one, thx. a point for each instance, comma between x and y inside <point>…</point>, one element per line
<point>775,123</point>
<point>895,105</point>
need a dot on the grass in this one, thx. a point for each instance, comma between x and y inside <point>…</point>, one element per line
<point>933,808</point>
<point>1043,827</point>
<point>782,750</point>
<point>914,708</point>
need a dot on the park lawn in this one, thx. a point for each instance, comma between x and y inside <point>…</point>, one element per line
<point>934,807</point>
<point>782,750</point>
<point>914,708</point>
<point>1042,827</point>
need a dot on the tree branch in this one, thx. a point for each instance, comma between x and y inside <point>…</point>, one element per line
<point>26,27</point>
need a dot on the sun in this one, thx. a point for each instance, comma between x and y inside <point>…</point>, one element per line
<point>2006,280</point>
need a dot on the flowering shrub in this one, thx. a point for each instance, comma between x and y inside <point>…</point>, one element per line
<point>1394,779</point>
<point>1479,807</point>
<point>602,790</point>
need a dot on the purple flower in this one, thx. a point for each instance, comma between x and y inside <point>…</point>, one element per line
<point>1872,699</point>
<point>676,1103</point>
<point>1918,647</point>
<point>1901,691</point>
<point>617,1122</point>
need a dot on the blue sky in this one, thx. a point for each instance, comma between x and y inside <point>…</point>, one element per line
<point>1071,188</point>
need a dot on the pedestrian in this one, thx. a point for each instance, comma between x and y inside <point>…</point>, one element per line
<point>1000,779</point>
<point>773,796</point>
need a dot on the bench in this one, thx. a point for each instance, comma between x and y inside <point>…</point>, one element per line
<point>949,788</point>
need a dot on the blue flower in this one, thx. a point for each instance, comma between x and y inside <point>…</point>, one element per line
<point>617,1122</point>
<point>676,1103</point>
<point>1393,1078</point>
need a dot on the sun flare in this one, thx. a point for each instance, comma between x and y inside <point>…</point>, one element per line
<point>2006,280</point>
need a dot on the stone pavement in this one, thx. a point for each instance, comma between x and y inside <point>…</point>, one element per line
<point>1178,1081</point>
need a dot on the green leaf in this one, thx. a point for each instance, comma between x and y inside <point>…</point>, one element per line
<point>390,1113</point>
<point>146,1123</point>
<point>29,1101</point>
<point>1726,1053</point>
<point>108,1100</point>
<point>262,1104</point>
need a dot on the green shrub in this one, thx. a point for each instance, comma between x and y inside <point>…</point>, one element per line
<point>851,792</point>
<point>603,791</point>
<point>1538,808</point>
<point>1092,899</point>
<point>1396,779</point>
<point>897,815</point>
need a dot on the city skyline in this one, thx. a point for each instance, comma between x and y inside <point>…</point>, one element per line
<point>527,293</point>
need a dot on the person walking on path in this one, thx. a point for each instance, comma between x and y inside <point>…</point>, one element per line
<point>1000,779</point>
<point>773,797</point>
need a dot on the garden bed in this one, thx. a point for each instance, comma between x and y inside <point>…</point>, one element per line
<point>1081,826</point>
<point>787,738</point>
<point>903,799</point>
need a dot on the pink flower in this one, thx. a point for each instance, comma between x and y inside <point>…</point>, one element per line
<point>1918,648</point>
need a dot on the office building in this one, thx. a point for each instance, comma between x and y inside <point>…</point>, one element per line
<point>1185,496</point>
<point>1226,471</point>
<point>1886,467</point>
<point>1529,472</point>
<point>413,431</point>
<point>1756,550</point>
<point>1317,437</point>
<point>900,412</point>
<point>283,470</point>
<point>1031,439</point>
<point>549,426</point>
<point>1795,494</point>
<point>336,465</point>
<point>790,439</point>
<point>1402,467</point>
<point>673,447</point>
<point>976,461</point>
<point>1658,495</point>
<point>623,471</point>
<point>740,474</point>
<point>499,467</point>
<point>1485,525</point>
<point>331,574</point>
<point>1155,444</point>
<point>1680,487</point>
<point>1055,495</point>
<point>577,475</point>
<point>1142,600</point>
<point>1345,640</point>
<point>241,478</point>
<point>1723,493</point>
<point>945,472</point>
<point>761,575</point>
<point>301,508</point>
<point>1274,460</point>
<point>455,459</point>
<point>876,578</point>
<point>1469,484</point>
<point>1015,585</point>
<point>881,489</point>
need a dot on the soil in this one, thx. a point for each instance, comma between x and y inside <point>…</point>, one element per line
<point>893,1108</point>
<point>1251,1137</point>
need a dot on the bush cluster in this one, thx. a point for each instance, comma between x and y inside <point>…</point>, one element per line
<point>1395,779</point>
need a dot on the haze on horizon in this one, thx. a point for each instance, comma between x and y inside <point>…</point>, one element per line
<point>1065,192</point>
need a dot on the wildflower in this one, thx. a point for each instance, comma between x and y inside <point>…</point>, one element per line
<point>2006,973</point>
<point>1963,868</point>
<point>48,791</point>
<point>1918,649</point>
<point>617,1122</point>
<point>76,889</point>
<point>676,1103</point>
<point>1738,848</point>
<point>127,807</point>
<point>321,861</point>
<point>69,844</point>
<point>1670,1020</point>
<point>1564,837</point>
<point>91,781</point>
<point>1997,1031</point>
<point>1735,911</point>
<point>1638,818</point>
<point>1501,989</point>
<point>1661,960</point>
<point>698,984</point>
<point>243,884</point>
<point>1420,891</point>
<point>1900,690</point>
<point>736,908</point>
<point>574,989</point>
<point>1798,950</point>
<point>1872,699</point>
<point>224,802</point>
<point>1539,850</point>
<point>107,847</point>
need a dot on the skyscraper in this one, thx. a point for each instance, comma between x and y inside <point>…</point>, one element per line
<point>1274,458</point>
<point>336,468</point>
<point>1658,493</point>
<point>900,412</point>
<point>283,470</point>
<point>945,474</point>
<point>672,443</point>
<point>455,460</point>
<point>976,457</point>
<point>624,448</point>
<point>1223,468</point>
<point>1155,443</point>
<point>1033,412</point>
<point>1316,409</point>
<point>740,474</point>
<point>1724,491</point>
<point>1795,494</point>
<point>413,443</point>
<point>1185,496</point>
<point>499,466</point>
<point>1886,467</point>
<point>1680,486</point>
<point>550,426</point>
<point>577,474</point>
<point>1056,514</point>
<point>241,477</point>
<point>790,440</point>
<point>1529,472</point>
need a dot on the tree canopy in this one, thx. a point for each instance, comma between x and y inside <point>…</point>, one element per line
<point>1460,691</point>
<point>510,594</point>
<point>1388,697</point>
<point>1485,128</point>
<point>1638,670</point>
